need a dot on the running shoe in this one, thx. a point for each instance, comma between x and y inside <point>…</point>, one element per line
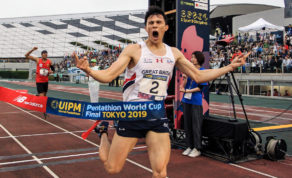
<point>101,128</point>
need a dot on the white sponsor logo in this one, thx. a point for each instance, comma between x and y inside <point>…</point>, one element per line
<point>21,99</point>
<point>122,129</point>
<point>201,6</point>
<point>146,60</point>
<point>165,125</point>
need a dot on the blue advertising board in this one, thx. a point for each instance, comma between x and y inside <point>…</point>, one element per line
<point>193,31</point>
<point>106,111</point>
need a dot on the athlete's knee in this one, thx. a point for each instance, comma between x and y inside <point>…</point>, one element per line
<point>161,174</point>
<point>112,168</point>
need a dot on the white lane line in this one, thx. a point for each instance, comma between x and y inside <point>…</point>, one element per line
<point>139,165</point>
<point>14,112</point>
<point>54,125</point>
<point>59,157</point>
<point>251,170</point>
<point>32,135</point>
<point>41,159</point>
<point>29,152</point>
<point>135,163</point>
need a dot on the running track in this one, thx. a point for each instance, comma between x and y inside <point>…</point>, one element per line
<point>34,147</point>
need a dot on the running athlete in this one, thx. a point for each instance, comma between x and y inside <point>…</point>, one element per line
<point>42,71</point>
<point>149,67</point>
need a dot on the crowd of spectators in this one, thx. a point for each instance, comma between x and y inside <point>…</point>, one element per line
<point>277,93</point>
<point>104,58</point>
<point>267,55</point>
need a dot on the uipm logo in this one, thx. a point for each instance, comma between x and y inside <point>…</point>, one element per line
<point>54,104</point>
<point>20,99</point>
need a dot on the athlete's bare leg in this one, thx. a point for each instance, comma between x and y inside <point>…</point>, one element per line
<point>114,155</point>
<point>159,152</point>
<point>104,147</point>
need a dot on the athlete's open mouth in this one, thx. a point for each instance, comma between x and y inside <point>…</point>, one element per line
<point>155,34</point>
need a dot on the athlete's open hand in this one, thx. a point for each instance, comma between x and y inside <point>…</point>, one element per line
<point>34,48</point>
<point>239,60</point>
<point>81,63</point>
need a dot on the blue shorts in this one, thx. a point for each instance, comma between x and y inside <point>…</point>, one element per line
<point>139,129</point>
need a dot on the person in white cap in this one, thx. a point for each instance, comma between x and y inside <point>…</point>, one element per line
<point>93,85</point>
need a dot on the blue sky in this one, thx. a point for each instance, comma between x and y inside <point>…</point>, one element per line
<point>25,8</point>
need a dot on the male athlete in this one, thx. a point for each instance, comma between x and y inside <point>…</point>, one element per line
<point>158,59</point>
<point>42,70</point>
<point>93,85</point>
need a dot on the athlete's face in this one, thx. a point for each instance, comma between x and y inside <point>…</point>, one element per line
<point>156,27</point>
<point>44,55</point>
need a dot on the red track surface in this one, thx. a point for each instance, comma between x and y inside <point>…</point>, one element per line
<point>59,150</point>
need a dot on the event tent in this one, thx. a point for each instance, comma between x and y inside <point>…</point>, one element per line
<point>259,25</point>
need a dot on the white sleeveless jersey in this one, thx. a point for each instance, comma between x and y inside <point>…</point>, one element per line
<point>149,79</point>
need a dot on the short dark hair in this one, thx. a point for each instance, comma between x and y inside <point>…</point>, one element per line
<point>44,51</point>
<point>154,10</point>
<point>199,56</point>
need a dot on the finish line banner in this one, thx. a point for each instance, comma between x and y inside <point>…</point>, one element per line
<point>128,111</point>
<point>22,99</point>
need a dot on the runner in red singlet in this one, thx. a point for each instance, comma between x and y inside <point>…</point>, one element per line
<point>44,68</point>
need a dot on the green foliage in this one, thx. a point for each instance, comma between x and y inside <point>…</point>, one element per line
<point>123,40</point>
<point>14,74</point>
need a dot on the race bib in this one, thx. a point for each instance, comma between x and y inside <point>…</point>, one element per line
<point>188,96</point>
<point>44,72</point>
<point>153,86</point>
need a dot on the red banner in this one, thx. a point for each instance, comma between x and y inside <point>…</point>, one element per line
<point>22,91</point>
<point>24,100</point>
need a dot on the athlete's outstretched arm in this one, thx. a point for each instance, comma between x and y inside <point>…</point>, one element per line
<point>110,73</point>
<point>201,76</point>
<point>28,56</point>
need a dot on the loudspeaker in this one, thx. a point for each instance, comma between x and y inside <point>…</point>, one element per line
<point>223,128</point>
<point>224,140</point>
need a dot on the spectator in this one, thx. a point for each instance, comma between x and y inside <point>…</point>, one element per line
<point>289,64</point>
<point>217,91</point>
<point>192,108</point>
<point>286,93</point>
<point>93,85</point>
<point>276,93</point>
<point>269,93</point>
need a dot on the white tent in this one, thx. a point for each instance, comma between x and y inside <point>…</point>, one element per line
<point>259,25</point>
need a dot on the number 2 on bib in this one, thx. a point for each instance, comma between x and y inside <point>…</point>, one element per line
<point>153,87</point>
